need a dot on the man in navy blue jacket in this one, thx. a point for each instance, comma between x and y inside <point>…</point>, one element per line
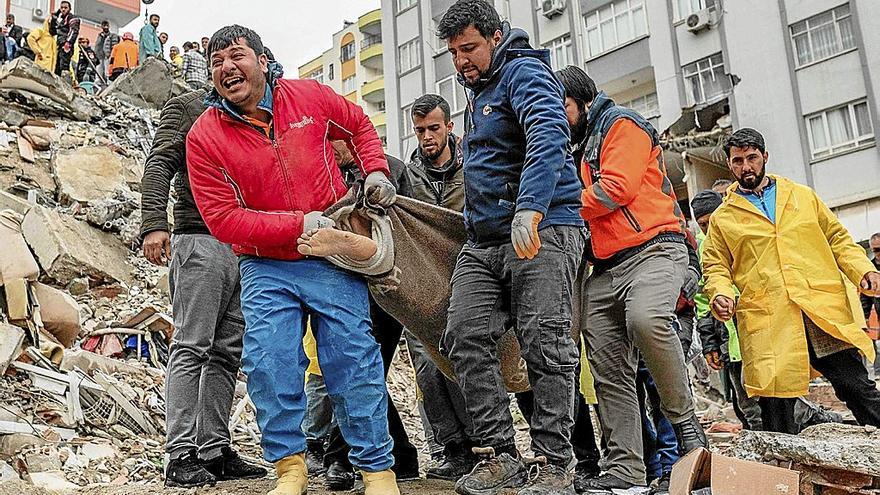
<point>525,241</point>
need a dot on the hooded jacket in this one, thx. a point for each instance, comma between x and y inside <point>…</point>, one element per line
<point>252,189</point>
<point>516,147</point>
<point>42,43</point>
<point>443,186</point>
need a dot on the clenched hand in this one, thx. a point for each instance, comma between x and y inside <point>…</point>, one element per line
<point>157,247</point>
<point>724,307</point>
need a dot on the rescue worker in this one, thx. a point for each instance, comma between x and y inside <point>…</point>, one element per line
<point>641,268</point>
<point>797,269</point>
<point>149,44</point>
<point>525,241</point>
<point>124,56</point>
<point>42,43</point>
<point>65,27</point>
<point>262,173</point>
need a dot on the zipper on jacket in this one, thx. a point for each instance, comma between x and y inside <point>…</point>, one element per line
<point>631,218</point>
<point>283,170</point>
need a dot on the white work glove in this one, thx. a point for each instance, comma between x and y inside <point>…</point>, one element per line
<point>524,233</point>
<point>316,220</point>
<point>379,190</point>
<point>691,283</point>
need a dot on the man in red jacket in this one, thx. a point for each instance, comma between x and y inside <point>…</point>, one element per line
<point>262,172</point>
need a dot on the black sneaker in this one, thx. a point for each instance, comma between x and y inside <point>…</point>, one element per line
<point>457,462</point>
<point>339,477</point>
<point>315,457</point>
<point>186,472</point>
<point>608,484</point>
<point>230,466</point>
<point>549,479</point>
<point>660,485</point>
<point>492,473</point>
<point>582,475</point>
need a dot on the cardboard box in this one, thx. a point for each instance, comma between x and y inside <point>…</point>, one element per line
<point>729,476</point>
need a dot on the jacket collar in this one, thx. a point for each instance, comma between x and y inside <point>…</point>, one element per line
<point>514,44</point>
<point>276,71</point>
<point>783,191</point>
<point>600,105</point>
<point>454,163</point>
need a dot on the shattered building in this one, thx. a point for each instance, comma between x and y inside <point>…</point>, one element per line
<point>804,73</point>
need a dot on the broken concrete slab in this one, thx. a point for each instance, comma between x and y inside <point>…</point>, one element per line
<point>9,201</point>
<point>12,117</point>
<point>89,174</point>
<point>67,248</point>
<point>149,85</point>
<point>11,339</point>
<point>16,260</point>
<point>22,74</point>
<point>831,445</point>
<point>60,313</point>
<point>40,137</point>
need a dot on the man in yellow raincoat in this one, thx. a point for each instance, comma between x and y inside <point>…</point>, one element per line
<point>796,268</point>
<point>43,45</point>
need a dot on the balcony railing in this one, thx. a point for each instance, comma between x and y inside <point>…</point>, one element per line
<point>370,40</point>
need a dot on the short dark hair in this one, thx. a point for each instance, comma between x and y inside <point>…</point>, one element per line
<point>721,182</point>
<point>68,4</point>
<point>229,35</point>
<point>10,16</point>
<point>154,15</point>
<point>105,22</point>
<point>744,138</point>
<point>465,13</point>
<point>205,38</point>
<point>426,104</point>
<point>578,85</point>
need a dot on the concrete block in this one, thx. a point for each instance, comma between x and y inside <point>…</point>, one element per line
<point>11,339</point>
<point>67,248</point>
<point>149,85</point>
<point>89,174</point>
<point>23,74</point>
<point>16,260</point>
<point>60,313</point>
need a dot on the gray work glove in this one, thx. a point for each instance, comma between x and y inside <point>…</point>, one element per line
<point>691,283</point>
<point>524,233</point>
<point>316,220</point>
<point>379,189</point>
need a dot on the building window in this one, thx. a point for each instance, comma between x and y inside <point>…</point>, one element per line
<point>647,106</point>
<point>405,4</point>
<point>705,79</point>
<point>453,93</point>
<point>380,107</point>
<point>317,75</point>
<point>348,52</point>
<point>560,52</point>
<point>823,36</point>
<point>330,72</point>
<point>408,56</point>
<point>688,7</point>
<point>349,85</point>
<point>839,129</point>
<point>406,116</point>
<point>614,25</point>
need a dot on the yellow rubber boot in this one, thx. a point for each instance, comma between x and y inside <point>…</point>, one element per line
<point>381,483</point>
<point>292,476</point>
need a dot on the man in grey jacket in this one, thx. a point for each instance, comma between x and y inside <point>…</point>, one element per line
<point>104,44</point>
<point>204,282</point>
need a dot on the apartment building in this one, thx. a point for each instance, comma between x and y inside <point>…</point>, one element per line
<point>803,72</point>
<point>354,66</point>
<point>32,13</point>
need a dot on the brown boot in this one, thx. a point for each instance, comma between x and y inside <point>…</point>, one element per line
<point>381,483</point>
<point>292,476</point>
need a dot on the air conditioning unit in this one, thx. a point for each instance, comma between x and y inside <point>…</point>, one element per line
<point>699,21</point>
<point>552,8</point>
<point>39,14</point>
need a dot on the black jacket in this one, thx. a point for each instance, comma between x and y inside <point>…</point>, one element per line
<point>167,159</point>
<point>65,29</point>
<point>869,302</point>
<point>351,174</point>
<point>442,187</point>
<point>16,33</point>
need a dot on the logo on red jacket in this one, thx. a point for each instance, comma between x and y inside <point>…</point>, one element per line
<point>302,123</point>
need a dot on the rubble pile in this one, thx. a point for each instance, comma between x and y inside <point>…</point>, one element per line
<point>84,325</point>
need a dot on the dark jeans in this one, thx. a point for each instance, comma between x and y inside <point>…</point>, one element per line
<point>851,384</point>
<point>63,62</point>
<point>491,289</point>
<point>387,332</point>
<point>658,437</point>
